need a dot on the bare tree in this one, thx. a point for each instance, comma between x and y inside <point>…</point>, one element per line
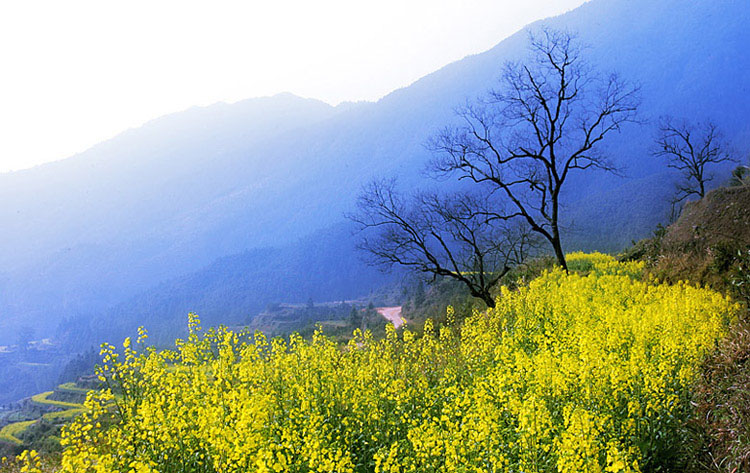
<point>457,236</point>
<point>690,149</point>
<point>546,120</point>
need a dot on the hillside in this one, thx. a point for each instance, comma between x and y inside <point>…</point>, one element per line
<point>706,243</point>
<point>161,202</point>
<point>723,216</point>
<point>709,246</point>
<point>220,290</point>
<point>571,373</point>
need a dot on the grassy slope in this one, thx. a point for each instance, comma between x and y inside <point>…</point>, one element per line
<point>710,245</point>
<point>722,398</point>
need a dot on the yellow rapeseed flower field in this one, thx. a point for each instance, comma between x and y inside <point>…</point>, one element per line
<point>585,372</point>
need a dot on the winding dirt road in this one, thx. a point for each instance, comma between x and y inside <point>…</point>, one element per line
<point>392,314</point>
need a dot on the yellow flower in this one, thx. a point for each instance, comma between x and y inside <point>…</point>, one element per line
<point>570,373</point>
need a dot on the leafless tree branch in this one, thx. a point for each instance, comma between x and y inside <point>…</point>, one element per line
<point>459,236</point>
<point>547,119</point>
<point>690,149</point>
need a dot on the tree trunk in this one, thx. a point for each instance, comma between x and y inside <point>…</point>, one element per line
<point>556,243</point>
<point>487,298</point>
<point>557,246</point>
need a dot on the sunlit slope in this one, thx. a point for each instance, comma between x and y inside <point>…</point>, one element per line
<point>581,372</point>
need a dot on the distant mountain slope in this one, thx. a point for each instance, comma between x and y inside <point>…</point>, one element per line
<point>86,232</point>
<point>162,201</point>
<point>322,267</point>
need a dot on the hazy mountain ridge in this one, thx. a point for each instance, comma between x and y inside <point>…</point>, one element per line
<point>161,202</point>
<point>321,267</point>
<point>125,217</point>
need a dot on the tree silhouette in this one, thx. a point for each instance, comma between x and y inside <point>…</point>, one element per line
<point>690,149</point>
<point>546,121</point>
<point>518,146</point>
<point>457,236</point>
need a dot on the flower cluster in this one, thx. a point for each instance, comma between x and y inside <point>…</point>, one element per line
<point>28,461</point>
<point>572,373</point>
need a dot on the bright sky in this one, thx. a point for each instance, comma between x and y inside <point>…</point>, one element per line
<point>75,73</point>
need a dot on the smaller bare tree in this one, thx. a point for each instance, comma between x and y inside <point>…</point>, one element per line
<point>456,236</point>
<point>691,149</point>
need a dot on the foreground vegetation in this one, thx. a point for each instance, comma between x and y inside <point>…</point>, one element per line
<point>710,245</point>
<point>574,372</point>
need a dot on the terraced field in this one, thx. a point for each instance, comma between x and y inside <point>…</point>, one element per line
<point>9,432</point>
<point>43,398</point>
<point>72,388</point>
<point>62,416</point>
<point>12,432</point>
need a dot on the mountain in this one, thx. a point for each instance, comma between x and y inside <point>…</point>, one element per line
<point>321,267</point>
<point>158,205</point>
<point>85,232</point>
